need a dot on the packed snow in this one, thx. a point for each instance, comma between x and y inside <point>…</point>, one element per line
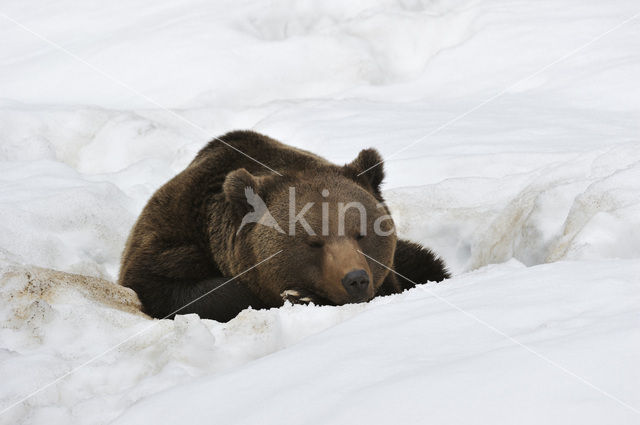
<point>512,145</point>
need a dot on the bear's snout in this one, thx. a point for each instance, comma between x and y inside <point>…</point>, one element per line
<point>346,277</point>
<point>356,282</point>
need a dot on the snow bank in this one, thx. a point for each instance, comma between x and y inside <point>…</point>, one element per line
<point>414,359</point>
<point>533,200</point>
<point>403,358</point>
<point>54,322</point>
<point>582,208</point>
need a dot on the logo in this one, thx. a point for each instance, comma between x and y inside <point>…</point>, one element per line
<point>262,215</point>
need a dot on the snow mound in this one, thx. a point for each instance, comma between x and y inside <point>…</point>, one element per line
<point>415,358</point>
<point>56,322</point>
<point>587,207</point>
<point>330,359</point>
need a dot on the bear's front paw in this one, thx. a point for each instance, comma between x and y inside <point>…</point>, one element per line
<point>298,296</point>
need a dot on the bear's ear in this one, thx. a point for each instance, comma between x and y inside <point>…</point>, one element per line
<point>238,187</point>
<point>368,169</point>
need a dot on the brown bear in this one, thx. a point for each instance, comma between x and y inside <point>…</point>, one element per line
<point>254,222</point>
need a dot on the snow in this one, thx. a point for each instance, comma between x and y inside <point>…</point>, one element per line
<point>443,366</point>
<point>511,133</point>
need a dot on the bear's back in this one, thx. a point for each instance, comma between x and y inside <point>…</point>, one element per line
<point>255,152</point>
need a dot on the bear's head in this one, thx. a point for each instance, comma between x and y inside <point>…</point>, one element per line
<point>329,225</point>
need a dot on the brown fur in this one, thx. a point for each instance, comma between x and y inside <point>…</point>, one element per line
<point>339,258</point>
<point>184,243</point>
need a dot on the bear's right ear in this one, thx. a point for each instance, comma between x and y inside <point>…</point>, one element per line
<point>238,187</point>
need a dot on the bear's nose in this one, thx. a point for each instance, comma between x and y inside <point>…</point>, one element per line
<point>356,282</point>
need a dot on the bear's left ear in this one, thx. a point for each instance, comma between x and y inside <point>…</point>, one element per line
<point>367,169</point>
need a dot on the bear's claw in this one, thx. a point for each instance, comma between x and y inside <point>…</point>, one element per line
<point>297,296</point>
